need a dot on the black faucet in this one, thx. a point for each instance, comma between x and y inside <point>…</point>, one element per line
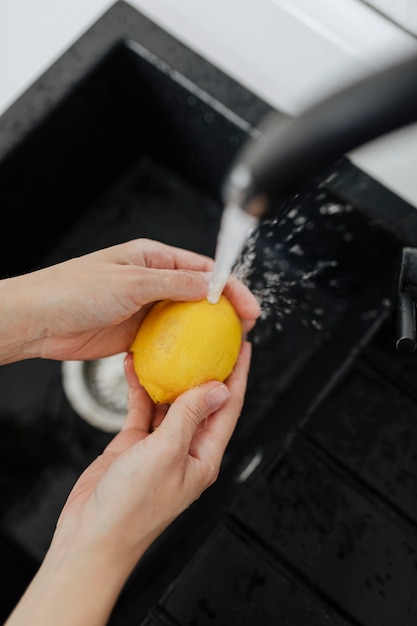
<point>270,168</point>
<point>288,153</point>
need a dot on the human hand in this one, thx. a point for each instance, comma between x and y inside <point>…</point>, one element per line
<point>91,306</point>
<point>143,480</point>
<point>158,464</point>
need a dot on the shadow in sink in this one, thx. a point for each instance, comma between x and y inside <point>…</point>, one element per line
<point>129,109</point>
<point>135,148</point>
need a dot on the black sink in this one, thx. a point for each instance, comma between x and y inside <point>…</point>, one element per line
<point>128,135</point>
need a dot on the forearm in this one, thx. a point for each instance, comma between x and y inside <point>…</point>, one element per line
<point>72,589</point>
<point>20,322</point>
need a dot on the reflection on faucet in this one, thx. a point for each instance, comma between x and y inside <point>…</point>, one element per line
<point>407,293</point>
<point>269,169</point>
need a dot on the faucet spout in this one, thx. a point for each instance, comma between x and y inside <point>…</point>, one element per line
<point>287,155</point>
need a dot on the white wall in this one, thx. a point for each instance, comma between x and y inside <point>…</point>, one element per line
<point>289,52</point>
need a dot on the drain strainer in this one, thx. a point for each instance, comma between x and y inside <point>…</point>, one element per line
<point>97,390</point>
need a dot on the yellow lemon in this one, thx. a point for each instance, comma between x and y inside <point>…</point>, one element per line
<point>180,345</point>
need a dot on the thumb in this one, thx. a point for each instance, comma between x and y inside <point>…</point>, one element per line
<point>192,407</point>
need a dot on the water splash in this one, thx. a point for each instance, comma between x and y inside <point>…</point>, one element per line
<point>280,259</point>
<point>275,264</point>
<point>278,288</point>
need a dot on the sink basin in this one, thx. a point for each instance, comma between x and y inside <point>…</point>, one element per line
<point>130,134</point>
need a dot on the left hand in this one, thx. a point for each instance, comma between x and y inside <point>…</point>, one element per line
<point>91,306</point>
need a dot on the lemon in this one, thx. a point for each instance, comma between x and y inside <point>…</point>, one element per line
<point>180,345</point>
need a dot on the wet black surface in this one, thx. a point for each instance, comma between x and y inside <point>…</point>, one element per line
<point>312,520</point>
<point>336,536</point>
<point>229,582</point>
<point>370,428</point>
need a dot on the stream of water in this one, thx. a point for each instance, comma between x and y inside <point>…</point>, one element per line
<point>235,229</point>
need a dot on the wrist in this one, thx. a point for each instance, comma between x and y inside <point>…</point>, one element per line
<point>74,585</point>
<point>21,326</point>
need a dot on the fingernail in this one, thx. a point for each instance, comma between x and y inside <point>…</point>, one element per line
<point>217,396</point>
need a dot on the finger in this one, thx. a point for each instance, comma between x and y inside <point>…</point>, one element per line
<point>220,425</point>
<point>140,407</point>
<point>190,409</point>
<point>159,284</point>
<point>154,254</point>
<point>160,410</point>
<point>243,300</point>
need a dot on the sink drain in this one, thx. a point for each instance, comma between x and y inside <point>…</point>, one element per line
<point>97,390</point>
